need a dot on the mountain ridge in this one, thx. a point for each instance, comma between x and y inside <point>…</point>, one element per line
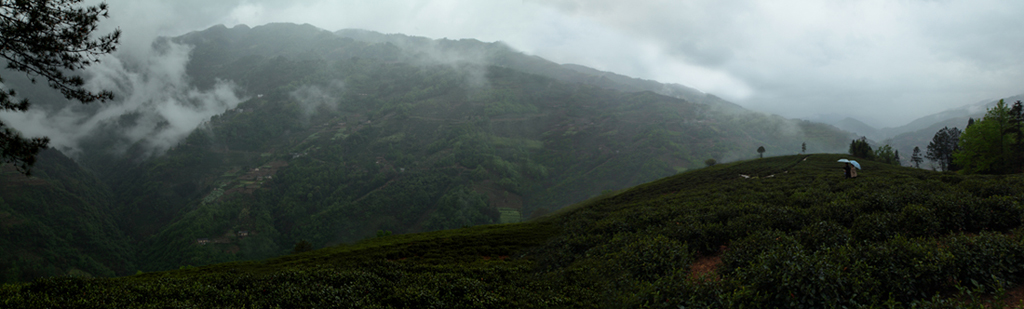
<point>953,117</point>
<point>335,140</point>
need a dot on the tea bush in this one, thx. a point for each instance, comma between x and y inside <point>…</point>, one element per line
<point>805,237</point>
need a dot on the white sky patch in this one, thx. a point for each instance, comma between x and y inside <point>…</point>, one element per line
<point>247,14</point>
<point>667,69</point>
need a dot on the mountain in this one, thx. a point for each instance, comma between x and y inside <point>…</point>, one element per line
<point>975,110</point>
<point>407,139</point>
<point>921,131</point>
<point>344,136</point>
<point>955,117</point>
<point>785,231</point>
<point>58,222</point>
<point>858,127</point>
<point>502,55</point>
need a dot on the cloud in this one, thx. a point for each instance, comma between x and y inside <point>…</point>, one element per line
<point>313,97</point>
<point>154,107</point>
<point>887,61</point>
<point>883,62</point>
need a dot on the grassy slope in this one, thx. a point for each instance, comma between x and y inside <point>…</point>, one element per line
<point>803,237</point>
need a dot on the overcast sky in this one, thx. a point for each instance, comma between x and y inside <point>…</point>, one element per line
<point>883,62</point>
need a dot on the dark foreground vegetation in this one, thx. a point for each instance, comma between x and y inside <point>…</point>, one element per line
<point>777,232</point>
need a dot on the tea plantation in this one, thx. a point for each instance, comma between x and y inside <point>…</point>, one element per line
<point>777,232</point>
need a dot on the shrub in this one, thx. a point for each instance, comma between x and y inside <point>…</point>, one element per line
<point>785,276</point>
<point>990,259</point>
<point>705,238</point>
<point>876,226</point>
<point>917,221</point>
<point>905,268</point>
<point>840,210</point>
<point>823,235</point>
<point>745,251</point>
<point>644,256</point>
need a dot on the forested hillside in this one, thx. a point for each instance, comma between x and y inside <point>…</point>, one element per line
<point>61,221</point>
<point>342,138</point>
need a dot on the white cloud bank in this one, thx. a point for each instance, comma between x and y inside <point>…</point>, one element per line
<point>154,105</point>
<point>883,61</point>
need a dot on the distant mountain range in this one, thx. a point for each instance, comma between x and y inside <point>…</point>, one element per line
<point>920,132</point>
<point>917,133</point>
<point>340,136</point>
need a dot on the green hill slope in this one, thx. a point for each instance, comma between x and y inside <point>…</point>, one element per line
<point>342,138</point>
<point>58,222</point>
<point>779,232</point>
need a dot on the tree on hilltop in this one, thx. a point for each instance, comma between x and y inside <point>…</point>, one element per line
<point>885,154</point>
<point>988,145</point>
<point>1017,112</point>
<point>941,148</point>
<point>915,158</point>
<point>760,151</point>
<point>48,39</point>
<point>861,149</point>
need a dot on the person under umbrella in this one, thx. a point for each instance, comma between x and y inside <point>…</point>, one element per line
<point>850,168</point>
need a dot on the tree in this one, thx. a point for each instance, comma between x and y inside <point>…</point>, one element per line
<point>803,147</point>
<point>710,162</point>
<point>897,159</point>
<point>48,39</point>
<point>1017,112</point>
<point>861,149</point>
<point>988,145</point>
<point>941,148</point>
<point>886,154</point>
<point>302,246</point>
<point>915,158</point>
<point>760,151</point>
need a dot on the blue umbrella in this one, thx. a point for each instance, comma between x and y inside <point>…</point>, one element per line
<point>855,164</point>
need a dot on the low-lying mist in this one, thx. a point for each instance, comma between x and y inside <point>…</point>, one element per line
<point>154,108</point>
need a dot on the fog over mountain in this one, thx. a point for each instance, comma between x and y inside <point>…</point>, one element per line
<point>929,124</point>
<point>155,103</point>
<point>881,62</point>
<point>893,61</point>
